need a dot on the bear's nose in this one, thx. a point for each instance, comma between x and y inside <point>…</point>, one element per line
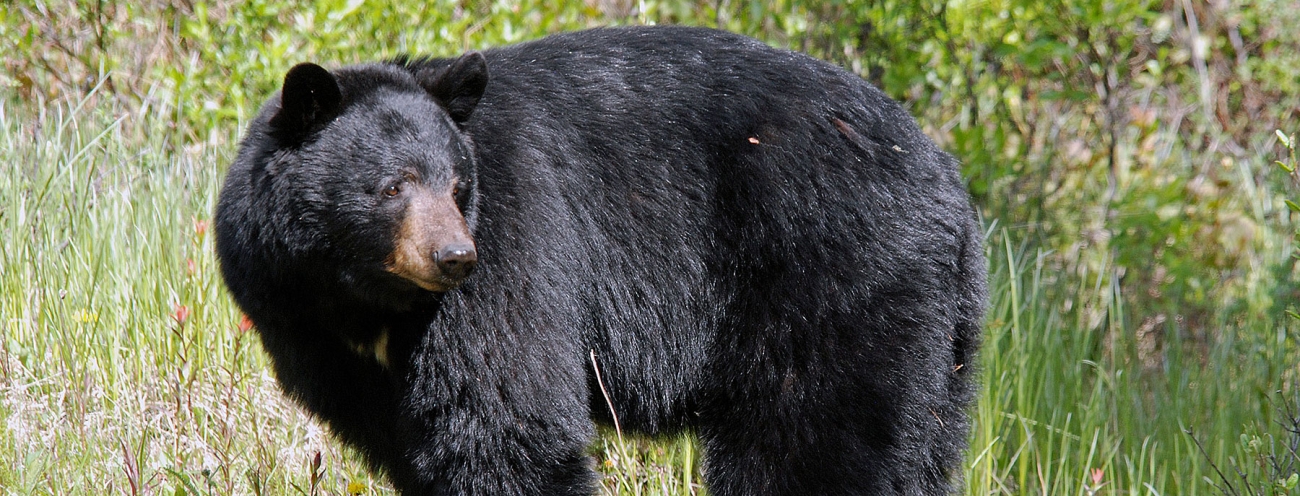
<point>456,261</point>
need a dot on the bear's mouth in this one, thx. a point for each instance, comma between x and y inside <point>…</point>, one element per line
<point>434,283</point>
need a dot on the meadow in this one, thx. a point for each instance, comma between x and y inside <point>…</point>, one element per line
<point>1142,336</point>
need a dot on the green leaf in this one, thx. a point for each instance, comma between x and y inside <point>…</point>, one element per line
<point>1289,483</point>
<point>1073,95</point>
<point>1283,138</point>
<point>1292,205</point>
<point>1285,166</point>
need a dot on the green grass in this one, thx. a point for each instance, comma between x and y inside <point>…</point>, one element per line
<point>1065,410</point>
<point>106,385</point>
<point>123,365</point>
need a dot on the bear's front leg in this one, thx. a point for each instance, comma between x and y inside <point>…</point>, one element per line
<point>496,410</point>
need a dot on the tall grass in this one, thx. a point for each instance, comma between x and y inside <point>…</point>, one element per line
<point>124,365</point>
<point>1067,411</point>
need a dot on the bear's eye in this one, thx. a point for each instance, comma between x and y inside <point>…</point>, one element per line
<point>393,190</point>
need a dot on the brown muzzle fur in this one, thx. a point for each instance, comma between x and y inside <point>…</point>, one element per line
<point>433,247</point>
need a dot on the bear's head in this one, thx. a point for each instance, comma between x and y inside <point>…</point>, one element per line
<point>359,180</point>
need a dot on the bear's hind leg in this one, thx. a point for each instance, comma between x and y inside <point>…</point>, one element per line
<point>838,405</point>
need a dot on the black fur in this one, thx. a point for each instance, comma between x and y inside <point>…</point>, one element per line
<point>758,247</point>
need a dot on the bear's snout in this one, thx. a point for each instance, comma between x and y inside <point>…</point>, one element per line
<point>456,261</point>
<point>432,247</point>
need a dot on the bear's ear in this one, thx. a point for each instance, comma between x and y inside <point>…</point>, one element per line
<point>458,86</point>
<point>310,95</point>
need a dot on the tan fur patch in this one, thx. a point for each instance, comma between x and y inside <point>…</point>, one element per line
<point>377,350</point>
<point>431,221</point>
<point>381,349</point>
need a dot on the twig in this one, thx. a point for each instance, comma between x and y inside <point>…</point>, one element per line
<point>1224,478</point>
<point>605,393</point>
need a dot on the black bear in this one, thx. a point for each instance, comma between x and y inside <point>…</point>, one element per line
<point>447,258</point>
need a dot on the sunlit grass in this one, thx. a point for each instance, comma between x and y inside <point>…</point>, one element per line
<point>1068,411</point>
<point>124,362</point>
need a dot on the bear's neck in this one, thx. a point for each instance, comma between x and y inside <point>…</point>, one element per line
<point>325,309</point>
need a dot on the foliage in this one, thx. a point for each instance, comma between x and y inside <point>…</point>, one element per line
<point>1291,166</point>
<point>1269,466</point>
<point>1124,135</point>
